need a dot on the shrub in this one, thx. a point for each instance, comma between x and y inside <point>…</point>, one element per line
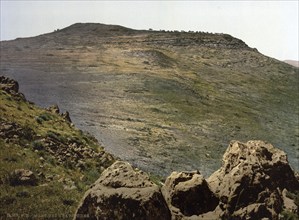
<point>156,179</point>
<point>69,164</point>
<point>68,202</point>
<point>92,175</point>
<point>43,117</point>
<point>27,133</point>
<point>39,120</point>
<point>294,196</point>
<point>37,145</point>
<point>287,215</point>
<point>23,194</point>
<point>56,136</point>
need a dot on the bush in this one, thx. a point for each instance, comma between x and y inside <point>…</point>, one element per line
<point>69,164</point>
<point>294,196</point>
<point>37,145</point>
<point>68,202</point>
<point>39,120</point>
<point>92,175</point>
<point>56,136</point>
<point>43,117</point>
<point>27,133</point>
<point>286,215</point>
<point>23,194</point>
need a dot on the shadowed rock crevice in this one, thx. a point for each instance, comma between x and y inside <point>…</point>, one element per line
<point>188,193</point>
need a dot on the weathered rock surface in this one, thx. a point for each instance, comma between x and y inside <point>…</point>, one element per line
<point>123,193</point>
<point>251,179</point>
<point>11,86</point>
<point>54,109</point>
<point>11,131</point>
<point>187,194</point>
<point>66,116</point>
<point>251,184</point>
<point>22,177</point>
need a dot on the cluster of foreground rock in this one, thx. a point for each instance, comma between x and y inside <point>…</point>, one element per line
<point>251,184</point>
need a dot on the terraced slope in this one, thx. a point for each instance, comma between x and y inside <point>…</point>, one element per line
<point>161,100</point>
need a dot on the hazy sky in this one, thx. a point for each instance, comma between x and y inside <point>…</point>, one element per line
<point>269,26</point>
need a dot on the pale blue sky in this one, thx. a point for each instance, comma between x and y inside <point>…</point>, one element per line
<point>269,26</point>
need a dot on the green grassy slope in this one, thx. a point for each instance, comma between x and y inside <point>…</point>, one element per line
<point>64,160</point>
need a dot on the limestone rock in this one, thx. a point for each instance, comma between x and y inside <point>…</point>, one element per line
<point>251,179</point>
<point>22,177</point>
<point>187,194</point>
<point>123,193</point>
<point>54,109</point>
<point>66,116</point>
<point>11,87</point>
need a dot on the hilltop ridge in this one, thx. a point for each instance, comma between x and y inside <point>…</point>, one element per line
<point>102,30</point>
<point>99,31</point>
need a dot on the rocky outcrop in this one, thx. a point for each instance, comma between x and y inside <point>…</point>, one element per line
<point>11,87</point>
<point>123,193</point>
<point>251,179</point>
<point>12,132</point>
<point>251,184</point>
<point>66,116</point>
<point>187,194</point>
<point>22,177</point>
<point>73,152</point>
<point>55,109</point>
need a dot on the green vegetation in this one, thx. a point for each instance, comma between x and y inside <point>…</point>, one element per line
<point>26,132</point>
<point>294,196</point>
<point>287,215</point>
<point>157,179</point>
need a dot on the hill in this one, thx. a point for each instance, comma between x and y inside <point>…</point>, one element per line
<point>162,100</point>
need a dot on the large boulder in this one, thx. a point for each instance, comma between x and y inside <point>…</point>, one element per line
<point>251,180</point>
<point>187,194</point>
<point>122,192</point>
<point>251,184</point>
